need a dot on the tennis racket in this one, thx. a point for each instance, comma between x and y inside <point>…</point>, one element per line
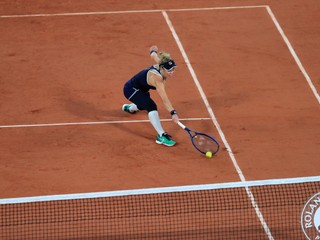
<point>202,142</point>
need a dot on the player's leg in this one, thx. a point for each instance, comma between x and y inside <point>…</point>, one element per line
<point>144,102</point>
<point>129,92</point>
<point>162,137</point>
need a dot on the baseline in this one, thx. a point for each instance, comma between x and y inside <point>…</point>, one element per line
<point>127,12</point>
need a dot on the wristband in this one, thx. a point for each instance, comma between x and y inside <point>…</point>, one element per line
<point>153,51</point>
<point>173,112</point>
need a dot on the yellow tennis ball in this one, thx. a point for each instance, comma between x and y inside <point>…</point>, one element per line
<point>209,154</point>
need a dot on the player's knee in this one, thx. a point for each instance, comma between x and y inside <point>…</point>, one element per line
<point>152,107</point>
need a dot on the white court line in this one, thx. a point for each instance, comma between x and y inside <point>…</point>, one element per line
<point>127,12</point>
<point>215,122</point>
<point>93,123</point>
<point>294,55</point>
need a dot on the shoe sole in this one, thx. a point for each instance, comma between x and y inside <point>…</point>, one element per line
<point>162,143</point>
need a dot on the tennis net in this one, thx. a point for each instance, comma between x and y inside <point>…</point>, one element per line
<point>269,209</point>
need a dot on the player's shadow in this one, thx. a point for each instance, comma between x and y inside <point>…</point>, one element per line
<point>129,129</point>
<point>89,111</point>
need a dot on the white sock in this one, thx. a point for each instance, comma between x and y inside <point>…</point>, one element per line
<point>155,121</point>
<point>133,108</point>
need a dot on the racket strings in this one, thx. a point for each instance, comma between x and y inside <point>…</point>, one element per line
<point>205,143</point>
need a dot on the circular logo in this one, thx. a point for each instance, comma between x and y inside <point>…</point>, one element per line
<point>310,218</point>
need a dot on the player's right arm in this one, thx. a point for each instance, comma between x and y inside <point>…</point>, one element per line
<point>160,86</point>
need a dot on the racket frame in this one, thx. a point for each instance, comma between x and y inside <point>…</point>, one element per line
<point>193,134</point>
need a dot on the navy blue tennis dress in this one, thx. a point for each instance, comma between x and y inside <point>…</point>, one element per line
<point>137,90</point>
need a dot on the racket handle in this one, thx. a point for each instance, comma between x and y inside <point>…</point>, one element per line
<point>181,125</point>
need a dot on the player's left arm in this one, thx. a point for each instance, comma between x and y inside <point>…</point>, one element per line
<point>154,54</point>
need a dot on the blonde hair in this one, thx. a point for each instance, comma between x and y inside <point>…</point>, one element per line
<point>164,57</point>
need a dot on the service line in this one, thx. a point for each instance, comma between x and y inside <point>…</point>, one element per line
<point>93,123</point>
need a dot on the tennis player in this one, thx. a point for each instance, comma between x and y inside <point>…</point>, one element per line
<point>152,78</point>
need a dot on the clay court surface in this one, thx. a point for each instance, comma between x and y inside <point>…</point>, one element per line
<point>62,73</point>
